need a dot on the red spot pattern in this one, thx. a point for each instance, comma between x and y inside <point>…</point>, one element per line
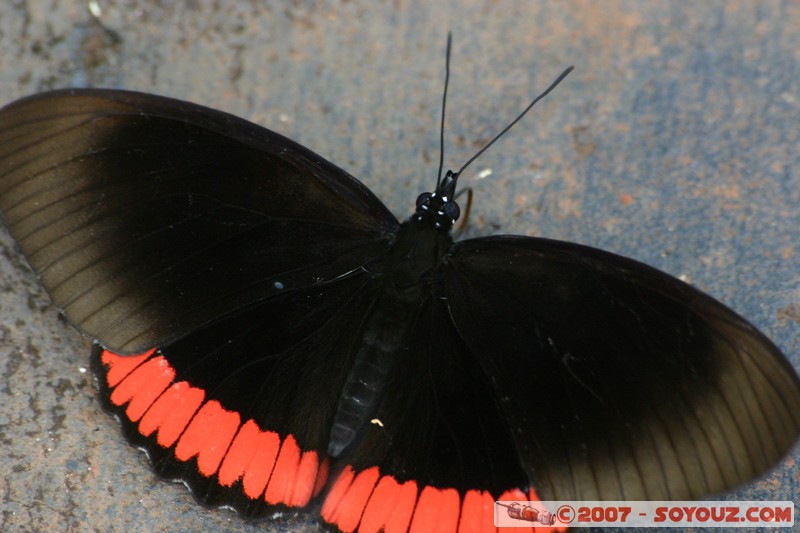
<point>277,471</point>
<point>250,458</point>
<point>370,503</point>
<point>171,413</point>
<point>208,437</point>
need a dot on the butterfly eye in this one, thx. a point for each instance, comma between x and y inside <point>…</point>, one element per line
<point>452,210</point>
<point>423,198</point>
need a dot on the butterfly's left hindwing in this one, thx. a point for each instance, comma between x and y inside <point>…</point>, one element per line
<point>242,409</point>
<point>617,380</point>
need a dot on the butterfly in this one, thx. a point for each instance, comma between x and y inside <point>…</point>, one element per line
<point>274,337</point>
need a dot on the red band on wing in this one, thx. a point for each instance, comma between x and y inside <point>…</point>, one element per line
<point>390,506</point>
<point>208,437</point>
<point>437,511</point>
<point>119,367</point>
<point>347,498</point>
<point>250,458</point>
<point>477,512</point>
<point>140,388</point>
<point>171,413</point>
<point>370,503</point>
<point>278,471</point>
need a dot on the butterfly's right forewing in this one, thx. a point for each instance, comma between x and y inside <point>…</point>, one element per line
<point>619,381</point>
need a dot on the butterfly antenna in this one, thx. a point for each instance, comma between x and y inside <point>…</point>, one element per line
<point>535,100</point>
<point>444,103</point>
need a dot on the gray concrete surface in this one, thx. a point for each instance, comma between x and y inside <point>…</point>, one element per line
<point>675,142</point>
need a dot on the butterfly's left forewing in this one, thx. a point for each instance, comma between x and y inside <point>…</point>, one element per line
<point>147,217</point>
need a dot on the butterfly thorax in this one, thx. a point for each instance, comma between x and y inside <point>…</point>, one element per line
<point>415,256</point>
<point>424,239</point>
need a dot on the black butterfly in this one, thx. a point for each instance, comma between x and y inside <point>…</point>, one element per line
<point>262,320</point>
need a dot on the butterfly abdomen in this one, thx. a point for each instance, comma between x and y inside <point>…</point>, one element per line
<point>407,279</point>
<point>383,337</point>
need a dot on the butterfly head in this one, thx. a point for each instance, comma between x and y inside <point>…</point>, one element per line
<point>439,208</point>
